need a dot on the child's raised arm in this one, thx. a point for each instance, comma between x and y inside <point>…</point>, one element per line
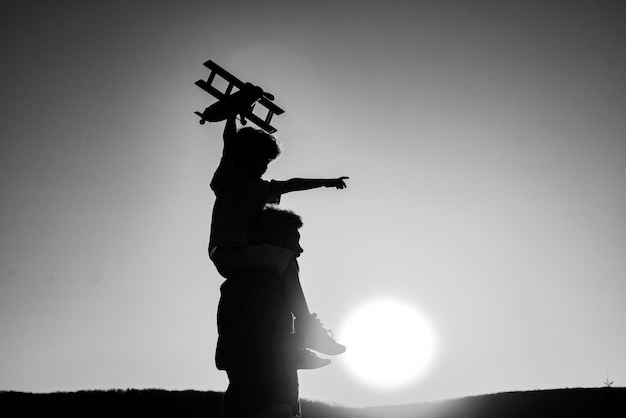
<point>230,130</point>
<point>298,184</point>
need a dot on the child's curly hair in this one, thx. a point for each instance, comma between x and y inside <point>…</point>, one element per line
<point>273,224</point>
<point>253,144</point>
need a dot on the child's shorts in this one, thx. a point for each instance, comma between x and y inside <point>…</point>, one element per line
<point>230,260</point>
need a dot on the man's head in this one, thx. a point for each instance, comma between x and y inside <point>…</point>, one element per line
<point>277,227</point>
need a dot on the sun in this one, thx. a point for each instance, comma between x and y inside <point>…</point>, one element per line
<point>389,343</point>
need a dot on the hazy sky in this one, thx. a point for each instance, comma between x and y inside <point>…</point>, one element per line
<point>485,144</point>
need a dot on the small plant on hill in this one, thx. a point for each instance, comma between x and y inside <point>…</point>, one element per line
<point>608,383</point>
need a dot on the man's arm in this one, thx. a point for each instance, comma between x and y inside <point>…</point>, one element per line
<point>298,184</point>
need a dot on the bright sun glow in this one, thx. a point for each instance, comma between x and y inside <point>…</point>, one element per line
<point>389,344</point>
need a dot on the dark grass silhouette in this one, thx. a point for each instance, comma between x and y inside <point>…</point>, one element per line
<point>587,403</point>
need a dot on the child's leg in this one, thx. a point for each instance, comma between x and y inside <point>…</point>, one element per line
<point>293,291</point>
<point>231,260</point>
<point>279,260</point>
<point>307,326</point>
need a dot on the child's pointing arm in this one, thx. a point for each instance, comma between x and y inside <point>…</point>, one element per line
<point>298,184</point>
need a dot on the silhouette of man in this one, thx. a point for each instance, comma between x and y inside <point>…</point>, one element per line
<point>256,344</point>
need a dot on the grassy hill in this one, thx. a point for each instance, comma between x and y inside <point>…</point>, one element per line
<point>587,403</point>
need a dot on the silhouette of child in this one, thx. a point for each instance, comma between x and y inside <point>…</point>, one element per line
<point>241,194</point>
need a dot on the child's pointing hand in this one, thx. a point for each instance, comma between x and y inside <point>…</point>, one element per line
<point>338,183</point>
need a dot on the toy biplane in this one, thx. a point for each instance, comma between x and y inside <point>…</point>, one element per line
<point>241,102</point>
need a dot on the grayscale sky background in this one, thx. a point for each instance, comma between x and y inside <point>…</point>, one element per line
<point>485,144</point>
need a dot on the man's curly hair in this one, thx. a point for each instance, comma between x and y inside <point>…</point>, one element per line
<point>273,224</point>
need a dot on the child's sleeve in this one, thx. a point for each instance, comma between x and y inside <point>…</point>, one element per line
<point>269,192</point>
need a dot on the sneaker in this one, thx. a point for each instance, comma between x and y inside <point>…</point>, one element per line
<point>308,360</point>
<point>318,338</point>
